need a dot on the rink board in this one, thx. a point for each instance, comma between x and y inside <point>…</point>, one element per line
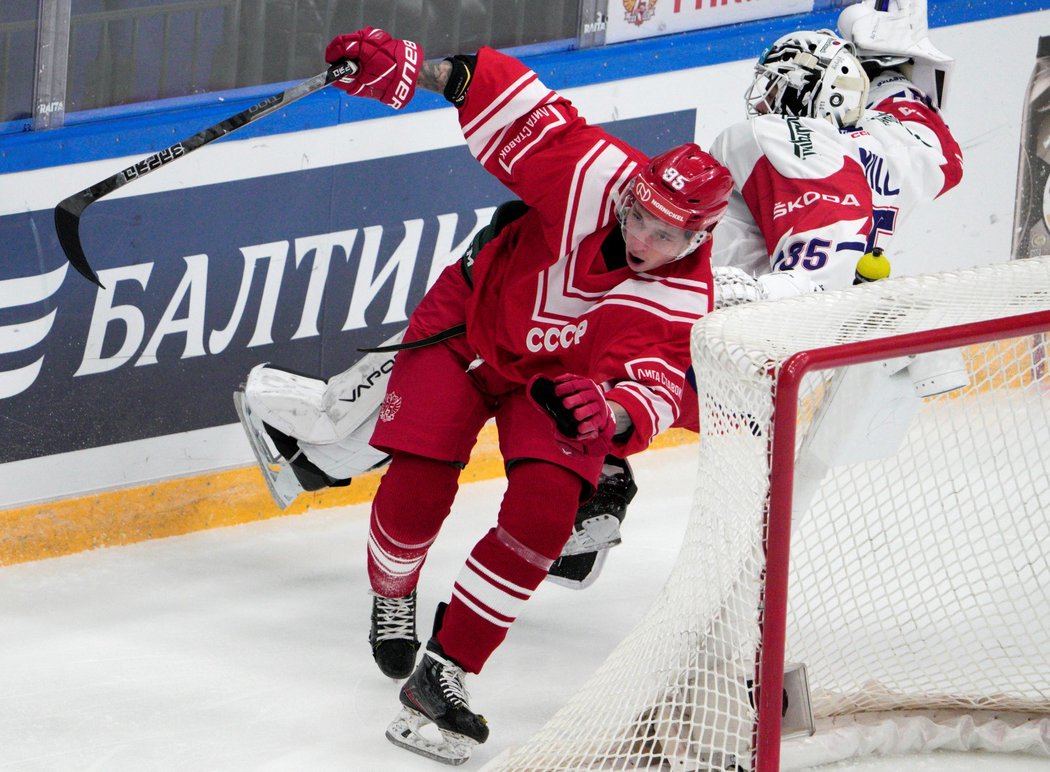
<point>116,405</point>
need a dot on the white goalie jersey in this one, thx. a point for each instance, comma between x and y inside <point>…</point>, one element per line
<point>813,198</point>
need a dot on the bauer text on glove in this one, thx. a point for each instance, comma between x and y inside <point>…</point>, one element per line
<point>388,66</point>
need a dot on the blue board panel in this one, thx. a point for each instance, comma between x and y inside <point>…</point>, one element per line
<point>175,262</point>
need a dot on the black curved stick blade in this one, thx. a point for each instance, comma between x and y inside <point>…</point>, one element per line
<point>68,211</point>
<point>67,226</point>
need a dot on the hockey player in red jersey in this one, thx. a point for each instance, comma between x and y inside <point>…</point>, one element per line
<point>827,167</point>
<point>573,334</point>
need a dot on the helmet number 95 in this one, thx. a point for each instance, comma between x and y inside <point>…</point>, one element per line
<point>673,178</point>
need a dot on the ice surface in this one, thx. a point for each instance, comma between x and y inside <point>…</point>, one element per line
<point>245,648</point>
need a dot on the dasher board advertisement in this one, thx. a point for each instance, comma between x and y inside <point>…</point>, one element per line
<point>300,269</point>
<point>636,19</point>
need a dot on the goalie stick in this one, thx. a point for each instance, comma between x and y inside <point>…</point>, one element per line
<point>69,210</point>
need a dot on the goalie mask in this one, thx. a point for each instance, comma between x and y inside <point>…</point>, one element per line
<point>810,75</point>
<point>672,205</point>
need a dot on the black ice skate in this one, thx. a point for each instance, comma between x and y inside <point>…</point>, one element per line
<point>435,695</point>
<point>597,527</point>
<point>393,634</point>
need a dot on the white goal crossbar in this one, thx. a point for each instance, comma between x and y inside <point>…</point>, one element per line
<point>893,441</point>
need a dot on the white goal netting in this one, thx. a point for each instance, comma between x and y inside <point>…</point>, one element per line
<point>919,548</point>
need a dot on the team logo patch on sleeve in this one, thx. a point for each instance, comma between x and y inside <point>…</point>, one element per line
<point>536,125</point>
<point>391,404</point>
<point>801,138</point>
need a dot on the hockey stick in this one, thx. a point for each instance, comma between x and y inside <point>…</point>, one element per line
<point>69,210</point>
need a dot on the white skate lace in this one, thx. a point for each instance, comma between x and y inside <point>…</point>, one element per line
<point>395,618</point>
<point>452,686</point>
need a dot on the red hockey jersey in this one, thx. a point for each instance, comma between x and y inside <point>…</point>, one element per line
<point>544,299</point>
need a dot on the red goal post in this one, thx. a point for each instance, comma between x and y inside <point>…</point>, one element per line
<point>917,526</point>
<point>782,454</point>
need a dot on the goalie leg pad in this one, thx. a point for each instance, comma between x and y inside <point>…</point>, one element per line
<point>308,434</point>
<point>577,572</point>
<point>317,411</point>
<point>310,476</point>
<point>286,469</point>
<point>350,456</point>
<point>899,37</point>
<point>277,473</point>
<point>287,401</point>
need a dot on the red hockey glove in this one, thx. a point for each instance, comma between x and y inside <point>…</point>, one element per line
<point>388,66</point>
<point>577,406</point>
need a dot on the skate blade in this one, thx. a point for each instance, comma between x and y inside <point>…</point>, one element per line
<point>453,749</point>
<point>279,478</point>
<point>595,534</point>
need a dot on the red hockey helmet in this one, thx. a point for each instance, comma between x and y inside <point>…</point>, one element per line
<point>684,188</point>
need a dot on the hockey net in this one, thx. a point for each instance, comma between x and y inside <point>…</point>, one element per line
<point>917,594</point>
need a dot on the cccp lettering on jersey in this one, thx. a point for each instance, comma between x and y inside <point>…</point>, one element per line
<point>781,208</point>
<point>553,338</point>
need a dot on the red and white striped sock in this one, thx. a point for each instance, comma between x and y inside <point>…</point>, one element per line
<point>510,561</point>
<point>413,500</point>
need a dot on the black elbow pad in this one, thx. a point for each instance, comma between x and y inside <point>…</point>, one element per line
<point>459,81</point>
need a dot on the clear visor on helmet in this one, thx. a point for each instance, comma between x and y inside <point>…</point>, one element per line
<point>644,228</point>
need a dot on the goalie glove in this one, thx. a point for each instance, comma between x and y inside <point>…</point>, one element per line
<point>785,284</point>
<point>387,66</point>
<point>734,287</point>
<point>898,38</point>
